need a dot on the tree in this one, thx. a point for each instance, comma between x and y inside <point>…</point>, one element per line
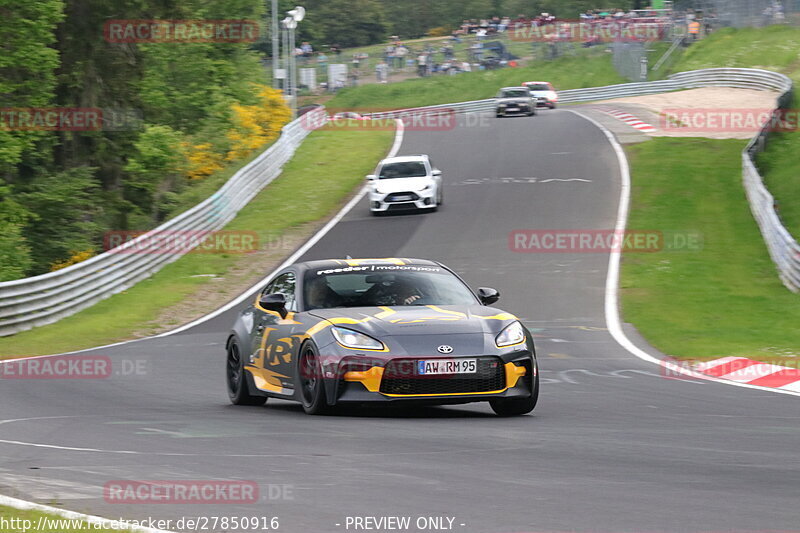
<point>15,254</point>
<point>348,22</point>
<point>27,65</point>
<point>65,209</point>
<point>158,160</point>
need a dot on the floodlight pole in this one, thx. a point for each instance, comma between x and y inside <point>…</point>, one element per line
<point>285,60</point>
<point>295,16</point>
<point>292,71</point>
<point>276,54</point>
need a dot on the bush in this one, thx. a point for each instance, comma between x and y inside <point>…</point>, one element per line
<point>439,31</point>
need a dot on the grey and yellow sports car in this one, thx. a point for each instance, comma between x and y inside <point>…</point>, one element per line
<point>325,333</point>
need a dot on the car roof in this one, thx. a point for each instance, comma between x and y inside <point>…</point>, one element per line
<point>405,158</point>
<point>515,87</point>
<point>532,82</point>
<point>326,264</point>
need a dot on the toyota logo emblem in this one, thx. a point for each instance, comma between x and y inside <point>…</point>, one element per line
<point>445,348</point>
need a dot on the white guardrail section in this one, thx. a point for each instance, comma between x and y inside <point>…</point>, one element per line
<point>783,249</point>
<point>36,301</point>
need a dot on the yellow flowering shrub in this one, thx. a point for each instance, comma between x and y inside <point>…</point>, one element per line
<point>75,258</point>
<point>202,161</point>
<point>256,125</point>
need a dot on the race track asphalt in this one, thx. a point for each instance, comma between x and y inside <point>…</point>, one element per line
<point>613,446</point>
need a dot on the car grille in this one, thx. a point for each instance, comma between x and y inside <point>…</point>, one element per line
<point>399,377</point>
<point>402,197</point>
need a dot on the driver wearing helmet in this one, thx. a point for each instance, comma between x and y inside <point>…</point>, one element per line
<point>392,292</point>
<point>319,295</point>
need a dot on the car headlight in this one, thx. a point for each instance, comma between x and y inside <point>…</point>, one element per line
<point>354,339</point>
<point>512,334</point>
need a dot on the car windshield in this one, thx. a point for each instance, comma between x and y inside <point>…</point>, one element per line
<point>515,93</point>
<point>538,87</point>
<point>384,285</point>
<point>407,169</point>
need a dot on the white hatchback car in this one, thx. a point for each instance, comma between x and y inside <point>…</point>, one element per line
<point>403,183</point>
<point>544,93</point>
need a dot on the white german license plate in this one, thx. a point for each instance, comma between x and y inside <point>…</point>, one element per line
<point>401,198</point>
<point>512,109</point>
<point>430,367</point>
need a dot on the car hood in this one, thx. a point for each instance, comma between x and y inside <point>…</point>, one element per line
<point>519,100</point>
<point>418,319</point>
<point>402,184</point>
<point>543,94</point>
<point>419,330</point>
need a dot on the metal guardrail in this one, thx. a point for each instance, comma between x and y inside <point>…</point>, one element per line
<point>783,248</point>
<point>31,302</point>
<point>36,301</point>
<point>741,78</point>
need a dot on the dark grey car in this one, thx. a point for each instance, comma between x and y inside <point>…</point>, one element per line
<point>514,101</point>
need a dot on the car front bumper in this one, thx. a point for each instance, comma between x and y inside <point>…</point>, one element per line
<point>371,385</point>
<point>381,203</point>
<point>515,110</point>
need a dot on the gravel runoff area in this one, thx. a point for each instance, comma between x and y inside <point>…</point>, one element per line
<point>712,112</point>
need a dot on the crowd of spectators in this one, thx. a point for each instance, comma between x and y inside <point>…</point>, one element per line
<point>452,57</point>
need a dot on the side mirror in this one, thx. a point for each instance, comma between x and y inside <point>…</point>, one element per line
<point>274,302</point>
<point>371,177</point>
<point>436,172</point>
<point>488,296</point>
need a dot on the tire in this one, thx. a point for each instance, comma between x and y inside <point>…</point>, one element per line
<point>311,384</point>
<point>238,389</point>
<point>499,115</point>
<point>552,106</point>
<point>440,200</point>
<point>516,406</point>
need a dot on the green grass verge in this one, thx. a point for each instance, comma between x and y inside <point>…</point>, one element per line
<point>588,68</point>
<point>772,48</point>
<point>14,521</point>
<point>724,300</point>
<point>314,183</point>
<point>779,165</point>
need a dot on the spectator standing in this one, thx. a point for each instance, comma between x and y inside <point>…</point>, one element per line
<point>382,72</point>
<point>422,64</point>
<point>476,51</point>
<point>449,54</point>
<point>322,62</point>
<point>694,30</point>
<point>400,53</point>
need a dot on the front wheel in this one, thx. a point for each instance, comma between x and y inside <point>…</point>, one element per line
<point>516,406</point>
<point>238,389</point>
<point>312,387</point>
